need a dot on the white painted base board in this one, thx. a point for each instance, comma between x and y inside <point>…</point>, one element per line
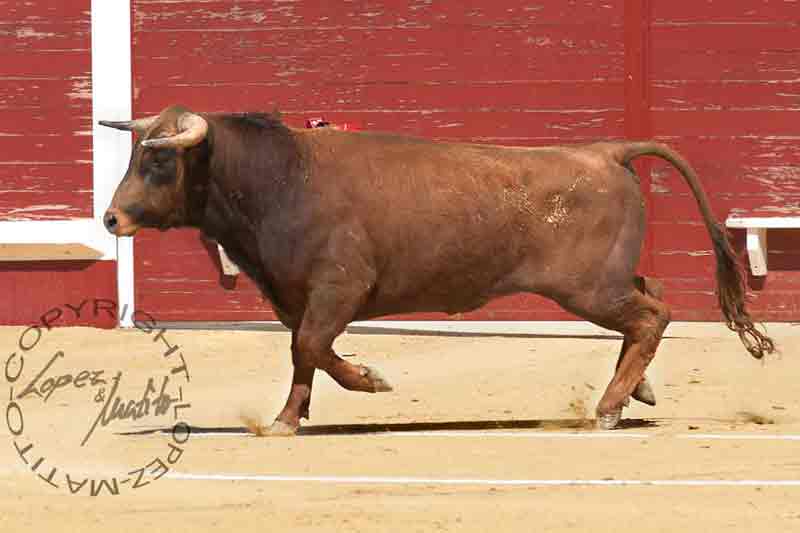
<point>757,237</point>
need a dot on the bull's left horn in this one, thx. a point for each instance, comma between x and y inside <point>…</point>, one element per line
<point>139,126</point>
<point>192,130</point>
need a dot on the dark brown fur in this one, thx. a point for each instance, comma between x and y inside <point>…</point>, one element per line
<point>339,226</point>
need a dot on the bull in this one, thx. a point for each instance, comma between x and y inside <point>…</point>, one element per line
<point>336,226</point>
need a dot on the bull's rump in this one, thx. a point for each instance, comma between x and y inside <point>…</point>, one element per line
<point>449,226</point>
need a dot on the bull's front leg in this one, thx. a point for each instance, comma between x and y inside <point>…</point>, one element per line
<point>330,308</point>
<point>299,401</point>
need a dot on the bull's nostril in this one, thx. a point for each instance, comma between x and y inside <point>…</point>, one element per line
<point>111,222</point>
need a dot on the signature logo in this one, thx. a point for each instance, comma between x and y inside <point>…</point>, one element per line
<point>159,397</point>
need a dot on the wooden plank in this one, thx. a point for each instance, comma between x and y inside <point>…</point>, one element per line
<point>35,122</point>
<point>317,67</point>
<point>683,207</point>
<point>74,12</point>
<point>45,178</point>
<point>40,65</point>
<point>743,95</point>
<point>48,252</point>
<point>413,96</point>
<point>24,151</point>
<point>763,222</point>
<point>757,150</point>
<point>724,11</point>
<point>725,123</point>
<point>35,37</point>
<point>726,177</point>
<point>714,37</point>
<point>217,14</point>
<point>698,64</point>
<point>19,203</point>
<point>375,41</point>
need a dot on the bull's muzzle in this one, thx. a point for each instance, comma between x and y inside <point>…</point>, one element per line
<point>118,223</point>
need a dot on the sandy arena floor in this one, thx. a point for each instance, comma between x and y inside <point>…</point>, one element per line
<point>482,433</point>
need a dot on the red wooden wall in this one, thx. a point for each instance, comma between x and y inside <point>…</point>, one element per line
<point>46,150</point>
<point>724,91</point>
<point>46,102</point>
<point>716,79</point>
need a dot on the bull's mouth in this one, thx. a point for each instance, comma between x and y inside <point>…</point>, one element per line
<point>125,231</point>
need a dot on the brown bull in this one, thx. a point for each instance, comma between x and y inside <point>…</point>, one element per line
<point>338,226</point>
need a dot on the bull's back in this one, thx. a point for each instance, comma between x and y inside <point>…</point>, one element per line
<point>450,225</point>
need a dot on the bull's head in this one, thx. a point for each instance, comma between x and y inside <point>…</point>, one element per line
<point>153,192</point>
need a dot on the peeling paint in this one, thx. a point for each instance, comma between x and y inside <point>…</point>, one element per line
<point>691,253</point>
<point>81,90</point>
<point>30,33</point>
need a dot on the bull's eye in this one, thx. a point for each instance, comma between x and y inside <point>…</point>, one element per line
<point>161,167</point>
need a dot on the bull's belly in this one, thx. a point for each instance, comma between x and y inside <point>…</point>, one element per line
<point>447,292</point>
<point>386,307</point>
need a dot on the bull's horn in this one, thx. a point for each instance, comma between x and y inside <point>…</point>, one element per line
<point>192,130</point>
<point>139,126</point>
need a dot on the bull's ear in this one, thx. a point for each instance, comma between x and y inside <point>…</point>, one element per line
<point>139,126</point>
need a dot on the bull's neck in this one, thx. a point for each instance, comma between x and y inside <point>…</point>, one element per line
<point>251,171</point>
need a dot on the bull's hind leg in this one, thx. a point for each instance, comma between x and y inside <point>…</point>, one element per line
<point>643,391</point>
<point>642,318</point>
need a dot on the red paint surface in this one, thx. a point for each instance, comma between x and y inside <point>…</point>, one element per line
<point>637,103</point>
<point>45,155</point>
<point>31,289</point>
<point>45,101</point>
<point>725,95</point>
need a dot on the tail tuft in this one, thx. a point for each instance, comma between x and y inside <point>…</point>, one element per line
<point>732,295</point>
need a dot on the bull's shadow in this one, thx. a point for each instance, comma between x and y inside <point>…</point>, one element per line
<point>554,424</point>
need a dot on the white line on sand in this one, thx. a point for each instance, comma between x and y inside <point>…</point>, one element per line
<point>516,434</point>
<point>382,480</point>
<point>737,436</point>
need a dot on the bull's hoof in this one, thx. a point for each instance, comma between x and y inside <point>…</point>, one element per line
<point>377,382</point>
<point>279,429</point>
<point>644,393</point>
<point>609,420</point>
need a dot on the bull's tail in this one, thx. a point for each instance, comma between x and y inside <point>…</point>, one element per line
<point>731,287</point>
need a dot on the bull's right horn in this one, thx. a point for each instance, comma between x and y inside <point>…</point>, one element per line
<point>139,126</point>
